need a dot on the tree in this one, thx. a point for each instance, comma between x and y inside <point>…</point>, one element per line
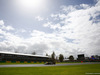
<point>34,53</point>
<point>16,51</point>
<point>53,56</point>
<point>61,57</point>
<point>71,58</point>
<point>47,54</point>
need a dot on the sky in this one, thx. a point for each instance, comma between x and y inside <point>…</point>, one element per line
<point>68,27</point>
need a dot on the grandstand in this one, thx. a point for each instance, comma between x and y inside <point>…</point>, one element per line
<point>18,57</point>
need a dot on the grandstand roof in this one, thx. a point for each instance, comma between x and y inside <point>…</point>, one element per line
<point>23,54</point>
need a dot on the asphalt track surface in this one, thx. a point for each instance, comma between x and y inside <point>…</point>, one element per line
<point>42,65</point>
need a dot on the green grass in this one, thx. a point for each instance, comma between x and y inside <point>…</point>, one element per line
<point>56,70</point>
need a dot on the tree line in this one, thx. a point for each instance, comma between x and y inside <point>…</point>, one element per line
<point>60,57</point>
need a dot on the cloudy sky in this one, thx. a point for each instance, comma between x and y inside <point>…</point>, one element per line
<point>69,27</point>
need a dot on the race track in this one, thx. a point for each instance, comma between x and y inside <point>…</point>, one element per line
<point>42,65</point>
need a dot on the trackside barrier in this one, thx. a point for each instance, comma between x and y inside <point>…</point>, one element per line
<point>8,61</point>
<point>32,62</point>
<point>25,61</point>
<point>2,61</point>
<point>42,62</point>
<point>28,61</point>
<point>13,61</point>
<point>22,62</point>
<point>17,61</point>
<point>37,62</point>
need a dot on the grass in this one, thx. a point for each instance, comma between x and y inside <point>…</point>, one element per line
<point>56,70</point>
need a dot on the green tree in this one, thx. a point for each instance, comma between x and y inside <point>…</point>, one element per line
<point>16,51</point>
<point>47,54</point>
<point>34,53</point>
<point>53,56</point>
<point>71,58</point>
<point>61,57</point>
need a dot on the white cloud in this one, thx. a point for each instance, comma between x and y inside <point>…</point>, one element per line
<point>47,24</point>
<point>39,18</point>
<point>52,26</point>
<point>85,6</point>
<point>79,24</point>
<point>76,32</point>
<point>1,22</point>
<point>55,16</point>
<point>68,9</point>
<point>98,3</point>
<point>23,30</point>
<point>8,28</point>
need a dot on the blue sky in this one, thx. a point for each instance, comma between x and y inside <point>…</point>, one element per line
<point>64,26</point>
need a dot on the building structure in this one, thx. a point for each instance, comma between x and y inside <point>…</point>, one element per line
<point>18,57</point>
<point>81,57</point>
